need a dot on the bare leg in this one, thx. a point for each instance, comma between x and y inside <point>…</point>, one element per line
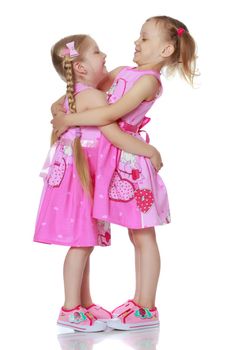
<point>74,267</point>
<point>137,268</point>
<point>86,299</point>
<point>146,247</point>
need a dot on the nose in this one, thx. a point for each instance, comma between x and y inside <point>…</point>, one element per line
<point>104,54</point>
<point>136,41</point>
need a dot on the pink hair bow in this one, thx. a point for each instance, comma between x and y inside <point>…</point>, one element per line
<point>70,50</point>
<point>180,31</point>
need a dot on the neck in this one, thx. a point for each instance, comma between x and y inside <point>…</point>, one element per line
<point>85,80</point>
<point>156,67</point>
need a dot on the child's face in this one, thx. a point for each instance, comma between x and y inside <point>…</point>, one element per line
<point>150,45</point>
<point>94,61</point>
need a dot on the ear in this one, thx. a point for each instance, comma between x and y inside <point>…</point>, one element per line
<point>168,50</point>
<point>79,68</point>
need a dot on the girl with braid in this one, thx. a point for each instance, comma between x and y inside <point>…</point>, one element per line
<point>65,212</point>
<point>133,194</point>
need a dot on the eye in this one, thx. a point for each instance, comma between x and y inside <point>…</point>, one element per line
<point>144,39</point>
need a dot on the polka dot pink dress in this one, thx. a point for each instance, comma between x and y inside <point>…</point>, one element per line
<point>65,212</point>
<point>128,190</point>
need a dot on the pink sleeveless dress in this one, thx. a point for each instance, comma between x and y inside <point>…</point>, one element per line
<point>128,190</point>
<point>65,211</point>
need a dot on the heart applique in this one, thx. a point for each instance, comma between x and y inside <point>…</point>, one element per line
<point>144,199</point>
<point>57,173</point>
<point>120,189</point>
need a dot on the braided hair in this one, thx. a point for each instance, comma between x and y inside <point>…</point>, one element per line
<point>64,67</point>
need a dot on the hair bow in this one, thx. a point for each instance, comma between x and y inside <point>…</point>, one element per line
<point>70,50</point>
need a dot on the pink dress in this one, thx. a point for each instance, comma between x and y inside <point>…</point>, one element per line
<point>65,212</point>
<point>128,190</point>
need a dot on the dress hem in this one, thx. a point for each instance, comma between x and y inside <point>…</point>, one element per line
<point>133,227</point>
<point>69,244</point>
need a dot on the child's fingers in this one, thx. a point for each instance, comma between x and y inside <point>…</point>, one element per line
<point>56,109</point>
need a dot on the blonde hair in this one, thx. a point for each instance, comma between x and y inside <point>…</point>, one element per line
<point>64,67</point>
<point>184,56</point>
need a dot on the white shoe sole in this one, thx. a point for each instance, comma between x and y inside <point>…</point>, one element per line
<point>98,326</point>
<point>117,324</point>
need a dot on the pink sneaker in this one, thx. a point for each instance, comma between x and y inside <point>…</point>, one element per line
<point>122,308</point>
<point>99,313</point>
<point>136,317</point>
<point>79,319</point>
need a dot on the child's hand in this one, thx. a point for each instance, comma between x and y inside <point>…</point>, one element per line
<point>60,131</point>
<point>57,107</point>
<point>156,160</point>
<point>59,123</point>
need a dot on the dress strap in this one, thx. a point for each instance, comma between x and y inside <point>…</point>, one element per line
<point>156,73</point>
<point>79,87</point>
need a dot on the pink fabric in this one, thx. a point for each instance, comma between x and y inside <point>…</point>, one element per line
<point>99,312</point>
<point>65,211</point>
<point>128,190</point>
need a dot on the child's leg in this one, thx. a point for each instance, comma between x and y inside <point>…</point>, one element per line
<point>137,268</point>
<point>86,299</point>
<point>147,249</point>
<point>74,267</point>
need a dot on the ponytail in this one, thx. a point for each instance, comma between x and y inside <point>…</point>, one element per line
<point>183,59</point>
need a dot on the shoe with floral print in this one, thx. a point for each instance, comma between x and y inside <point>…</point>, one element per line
<point>120,309</point>
<point>80,319</point>
<point>99,312</point>
<point>135,317</point>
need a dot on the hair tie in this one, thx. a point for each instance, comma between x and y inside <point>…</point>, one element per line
<point>180,31</point>
<point>70,50</point>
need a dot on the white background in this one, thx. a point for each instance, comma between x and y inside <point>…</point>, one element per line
<point>193,130</point>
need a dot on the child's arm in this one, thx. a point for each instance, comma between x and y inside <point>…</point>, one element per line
<point>104,85</point>
<point>115,135</point>
<point>131,144</point>
<point>144,89</point>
